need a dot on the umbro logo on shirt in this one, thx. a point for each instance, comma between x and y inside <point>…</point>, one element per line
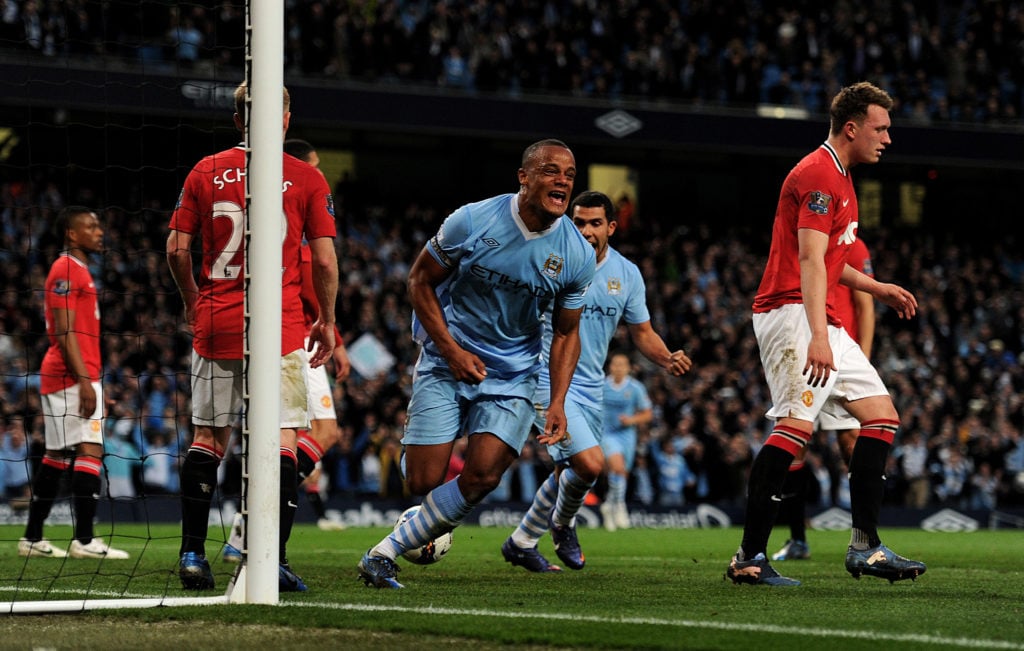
<point>491,242</point>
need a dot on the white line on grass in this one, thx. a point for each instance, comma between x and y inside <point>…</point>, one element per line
<point>113,594</point>
<point>915,638</point>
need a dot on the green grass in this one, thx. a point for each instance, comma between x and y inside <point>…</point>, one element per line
<point>641,588</point>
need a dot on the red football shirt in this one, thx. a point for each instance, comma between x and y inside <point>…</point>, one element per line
<point>818,193</point>
<point>310,306</point>
<point>69,286</point>
<point>212,205</point>
<point>860,260</point>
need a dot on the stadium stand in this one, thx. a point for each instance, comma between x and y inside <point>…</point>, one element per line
<point>944,61</point>
<point>956,370</point>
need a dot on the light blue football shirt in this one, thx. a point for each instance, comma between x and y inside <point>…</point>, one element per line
<point>505,277</point>
<point>617,294</point>
<point>627,398</point>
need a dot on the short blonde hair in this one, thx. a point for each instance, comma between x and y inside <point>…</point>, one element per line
<point>242,91</point>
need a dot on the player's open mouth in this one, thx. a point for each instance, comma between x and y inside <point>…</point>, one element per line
<point>557,197</point>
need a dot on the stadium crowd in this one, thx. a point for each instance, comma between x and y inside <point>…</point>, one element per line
<point>944,61</point>
<point>956,371</point>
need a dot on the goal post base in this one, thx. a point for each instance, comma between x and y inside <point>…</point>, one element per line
<point>236,587</point>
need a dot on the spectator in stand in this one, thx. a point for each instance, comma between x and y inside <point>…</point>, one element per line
<point>122,462</point>
<point>641,478</point>
<point>984,488</point>
<point>947,70</point>
<point>159,466</point>
<point>954,471</point>
<point>673,473</point>
<point>912,455</point>
<point>14,465</point>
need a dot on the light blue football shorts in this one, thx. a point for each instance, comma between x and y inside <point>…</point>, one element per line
<point>624,444</point>
<point>584,427</point>
<point>442,409</point>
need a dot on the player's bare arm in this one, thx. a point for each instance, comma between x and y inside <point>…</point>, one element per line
<point>897,298</point>
<point>892,295</point>
<point>64,333</point>
<point>565,353</point>
<point>642,417</point>
<point>342,365</point>
<point>814,290</point>
<point>424,278</point>
<point>179,260</point>
<point>864,308</point>
<point>653,347</point>
<point>325,284</point>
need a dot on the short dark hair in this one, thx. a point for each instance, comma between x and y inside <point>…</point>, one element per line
<point>532,150</point>
<point>66,219</point>
<point>593,199</point>
<point>298,148</point>
<point>852,102</point>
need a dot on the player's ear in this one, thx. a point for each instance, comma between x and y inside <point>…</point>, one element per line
<point>612,225</point>
<point>850,129</point>
<point>71,232</point>
<point>238,122</point>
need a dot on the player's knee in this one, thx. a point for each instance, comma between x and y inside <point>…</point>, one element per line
<point>422,482</point>
<point>325,432</point>
<point>477,484</point>
<point>587,469</point>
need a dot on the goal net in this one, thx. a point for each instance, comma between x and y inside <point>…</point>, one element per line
<point>108,105</point>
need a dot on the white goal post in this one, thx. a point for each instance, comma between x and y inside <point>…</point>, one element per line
<point>257,575</point>
<point>256,579</point>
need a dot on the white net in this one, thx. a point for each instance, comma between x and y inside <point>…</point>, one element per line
<point>107,105</point>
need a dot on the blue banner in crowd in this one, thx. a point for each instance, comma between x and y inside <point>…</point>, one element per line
<point>382,513</point>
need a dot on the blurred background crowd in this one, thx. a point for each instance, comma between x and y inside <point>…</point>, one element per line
<point>944,60</point>
<point>956,371</point>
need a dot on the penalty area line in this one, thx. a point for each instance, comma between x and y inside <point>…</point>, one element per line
<point>913,638</point>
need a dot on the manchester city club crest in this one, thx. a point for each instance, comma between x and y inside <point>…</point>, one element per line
<point>553,265</point>
<point>614,286</point>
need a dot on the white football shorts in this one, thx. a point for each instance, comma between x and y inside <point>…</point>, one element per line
<point>319,398</point>
<point>217,390</point>
<point>63,427</point>
<point>783,335</point>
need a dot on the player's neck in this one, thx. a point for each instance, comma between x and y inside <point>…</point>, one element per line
<point>78,253</point>
<point>534,220</point>
<point>537,222</point>
<point>841,147</point>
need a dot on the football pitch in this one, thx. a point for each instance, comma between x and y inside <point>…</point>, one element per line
<point>641,589</point>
